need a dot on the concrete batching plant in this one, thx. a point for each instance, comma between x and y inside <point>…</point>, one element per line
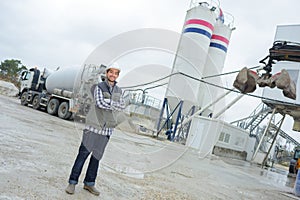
<point>201,52</point>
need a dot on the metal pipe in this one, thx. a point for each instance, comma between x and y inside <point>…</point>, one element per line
<point>202,109</point>
<point>228,106</point>
<point>262,137</point>
<point>277,132</point>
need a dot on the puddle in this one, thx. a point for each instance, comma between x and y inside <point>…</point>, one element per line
<point>272,175</point>
<point>278,176</point>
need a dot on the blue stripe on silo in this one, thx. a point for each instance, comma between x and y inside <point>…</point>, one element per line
<point>198,30</point>
<point>216,45</point>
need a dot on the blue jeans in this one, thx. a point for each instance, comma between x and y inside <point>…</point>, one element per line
<point>91,142</point>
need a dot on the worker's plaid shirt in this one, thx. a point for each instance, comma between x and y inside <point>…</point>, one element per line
<point>105,104</point>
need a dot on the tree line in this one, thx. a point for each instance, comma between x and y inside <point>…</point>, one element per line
<point>10,71</point>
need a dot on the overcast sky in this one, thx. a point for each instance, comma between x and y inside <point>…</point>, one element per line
<point>52,33</point>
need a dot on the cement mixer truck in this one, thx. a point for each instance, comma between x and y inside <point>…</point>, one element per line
<point>63,92</point>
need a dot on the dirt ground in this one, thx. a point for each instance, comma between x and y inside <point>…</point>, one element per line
<point>37,151</point>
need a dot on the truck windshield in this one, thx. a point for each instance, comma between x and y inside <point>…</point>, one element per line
<point>297,154</point>
<point>25,75</point>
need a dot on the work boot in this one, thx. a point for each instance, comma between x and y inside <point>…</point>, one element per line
<point>91,189</point>
<point>70,189</point>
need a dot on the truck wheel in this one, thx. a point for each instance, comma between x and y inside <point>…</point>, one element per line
<point>52,106</point>
<point>24,99</point>
<point>86,106</point>
<point>36,102</point>
<point>63,111</point>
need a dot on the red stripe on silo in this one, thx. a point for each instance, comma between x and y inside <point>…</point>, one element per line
<point>221,38</point>
<point>200,22</point>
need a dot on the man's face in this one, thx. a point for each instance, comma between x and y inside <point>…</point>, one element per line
<point>112,74</point>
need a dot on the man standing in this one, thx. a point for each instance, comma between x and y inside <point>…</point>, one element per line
<point>100,123</point>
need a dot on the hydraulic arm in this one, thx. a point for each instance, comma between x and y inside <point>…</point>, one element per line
<point>247,79</point>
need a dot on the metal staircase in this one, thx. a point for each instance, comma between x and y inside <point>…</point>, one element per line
<point>256,117</point>
<point>283,134</point>
<point>252,122</point>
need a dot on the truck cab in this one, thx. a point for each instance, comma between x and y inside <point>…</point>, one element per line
<point>25,80</point>
<point>32,81</point>
<point>295,162</point>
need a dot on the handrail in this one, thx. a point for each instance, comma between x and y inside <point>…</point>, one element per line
<point>143,99</point>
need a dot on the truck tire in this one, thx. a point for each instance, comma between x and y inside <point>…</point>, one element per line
<point>86,106</point>
<point>63,110</point>
<point>36,102</point>
<point>24,99</point>
<point>52,106</point>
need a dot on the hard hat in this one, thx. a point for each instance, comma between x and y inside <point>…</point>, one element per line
<point>113,66</point>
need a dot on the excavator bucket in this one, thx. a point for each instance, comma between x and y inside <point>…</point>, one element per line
<point>290,91</point>
<point>245,81</point>
<point>285,83</point>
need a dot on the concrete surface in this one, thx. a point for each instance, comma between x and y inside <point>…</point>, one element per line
<point>37,151</point>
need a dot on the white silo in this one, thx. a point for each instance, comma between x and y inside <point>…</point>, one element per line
<point>215,61</point>
<point>191,56</point>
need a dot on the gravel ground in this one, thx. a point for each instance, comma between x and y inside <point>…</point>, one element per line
<point>37,151</point>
